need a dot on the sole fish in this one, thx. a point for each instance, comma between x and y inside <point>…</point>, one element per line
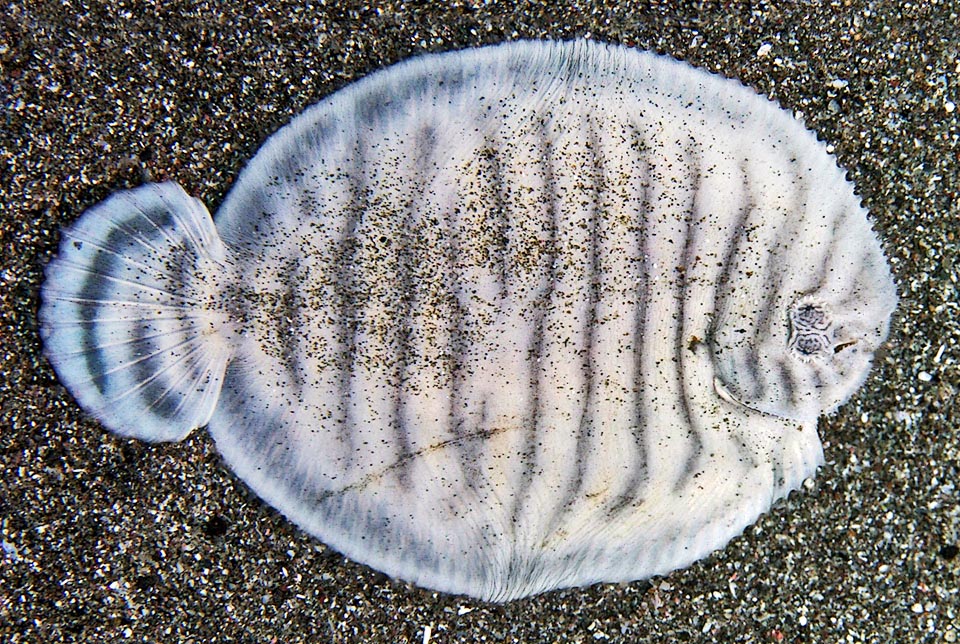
<point>495,321</point>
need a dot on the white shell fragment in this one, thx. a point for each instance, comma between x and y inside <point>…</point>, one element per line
<point>496,321</point>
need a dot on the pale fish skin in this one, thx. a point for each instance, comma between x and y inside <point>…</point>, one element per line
<point>496,321</point>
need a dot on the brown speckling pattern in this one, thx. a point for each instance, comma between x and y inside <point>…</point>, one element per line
<point>109,540</point>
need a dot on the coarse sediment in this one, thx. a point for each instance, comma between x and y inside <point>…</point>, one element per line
<point>107,540</point>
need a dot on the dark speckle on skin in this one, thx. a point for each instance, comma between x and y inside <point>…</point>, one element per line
<point>99,95</point>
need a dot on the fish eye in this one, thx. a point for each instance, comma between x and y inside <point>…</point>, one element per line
<point>809,344</point>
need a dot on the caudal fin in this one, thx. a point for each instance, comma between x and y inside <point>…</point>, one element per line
<point>125,319</point>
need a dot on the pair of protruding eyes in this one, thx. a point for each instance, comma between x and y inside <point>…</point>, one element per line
<point>811,332</point>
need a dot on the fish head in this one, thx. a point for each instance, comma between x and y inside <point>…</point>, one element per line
<point>809,355</point>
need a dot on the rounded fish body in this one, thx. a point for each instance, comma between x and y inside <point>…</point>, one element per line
<point>496,321</point>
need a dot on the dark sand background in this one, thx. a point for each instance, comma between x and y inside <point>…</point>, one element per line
<point>107,540</point>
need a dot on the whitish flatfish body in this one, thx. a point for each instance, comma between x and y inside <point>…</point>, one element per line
<point>496,321</point>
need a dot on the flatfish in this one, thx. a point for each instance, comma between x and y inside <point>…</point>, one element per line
<point>496,321</point>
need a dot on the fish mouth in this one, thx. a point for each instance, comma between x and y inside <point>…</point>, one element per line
<point>726,395</point>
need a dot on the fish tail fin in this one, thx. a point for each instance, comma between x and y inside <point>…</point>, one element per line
<point>127,315</point>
